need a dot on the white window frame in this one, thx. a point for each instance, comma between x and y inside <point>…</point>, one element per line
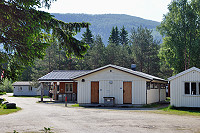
<point>190,88</point>
<point>69,91</point>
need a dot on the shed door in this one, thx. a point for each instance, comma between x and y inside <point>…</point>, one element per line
<point>127,92</point>
<point>95,92</point>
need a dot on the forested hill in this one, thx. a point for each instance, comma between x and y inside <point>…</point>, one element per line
<point>102,24</point>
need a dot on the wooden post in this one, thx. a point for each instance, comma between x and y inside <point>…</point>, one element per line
<point>42,91</point>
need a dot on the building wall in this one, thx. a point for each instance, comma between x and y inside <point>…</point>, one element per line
<point>152,96</point>
<point>112,90</point>
<point>178,97</point>
<point>162,94</point>
<point>25,91</point>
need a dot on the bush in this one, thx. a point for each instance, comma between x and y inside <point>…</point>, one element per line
<point>2,93</point>
<point>6,86</point>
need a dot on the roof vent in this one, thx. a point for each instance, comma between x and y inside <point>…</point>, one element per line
<point>133,67</point>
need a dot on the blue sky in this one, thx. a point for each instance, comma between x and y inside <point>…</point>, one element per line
<point>147,9</point>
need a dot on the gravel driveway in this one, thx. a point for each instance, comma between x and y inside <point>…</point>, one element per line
<point>35,116</point>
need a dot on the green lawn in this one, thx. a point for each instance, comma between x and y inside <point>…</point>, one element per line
<point>180,111</point>
<point>8,111</point>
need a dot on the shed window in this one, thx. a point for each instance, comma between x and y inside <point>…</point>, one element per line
<point>191,88</point>
<point>30,88</point>
<point>69,88</point>
<point>187,88</point>
<point>19,88</point>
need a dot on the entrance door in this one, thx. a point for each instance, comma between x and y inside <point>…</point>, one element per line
<point>95,92</point>
<point>127,92</point>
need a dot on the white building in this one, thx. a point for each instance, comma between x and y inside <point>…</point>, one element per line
<point>125,85</point>
<point>24,88</point>
<point>185,88</point>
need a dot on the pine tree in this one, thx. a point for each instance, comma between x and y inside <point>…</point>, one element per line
<point>114,36</point>
<point>87,37</point>
<point>123,36</point>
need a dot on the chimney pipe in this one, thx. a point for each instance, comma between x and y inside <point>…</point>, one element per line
<point>133,67</point>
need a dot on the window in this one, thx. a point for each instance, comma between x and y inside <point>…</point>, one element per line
<point>191,88</point>
<point>148,85</point>
<point>151,85</point>
<point>163,86</point>
<point>30,88</point>
<point>19,88</point>
<point>155,85</point>
<point>187,88</point>
<point>68,88</point>
<point>199,88</point>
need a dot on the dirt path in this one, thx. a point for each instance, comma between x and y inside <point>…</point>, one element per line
<point>34,117</point>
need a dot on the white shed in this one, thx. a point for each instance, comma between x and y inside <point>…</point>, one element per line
<point>185,88</point>
<point>125,85</point>
<point>24,88</point>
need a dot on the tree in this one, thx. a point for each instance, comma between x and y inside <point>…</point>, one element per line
<point>23,34</point>
<point>123,36</point>
<point>114,36</point>
<point>87,36</point>
<point>97,53</point>
<point>145,50</point>
<point>181,30</point>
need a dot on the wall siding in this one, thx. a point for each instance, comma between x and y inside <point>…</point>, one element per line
<point>113,90</point>
<point>25,91</point>
<point>162,94</point>
<point>178,98</point>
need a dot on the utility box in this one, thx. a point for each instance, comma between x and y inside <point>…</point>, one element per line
<point>109,101</point>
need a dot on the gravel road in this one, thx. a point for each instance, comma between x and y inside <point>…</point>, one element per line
<point>35,116</point>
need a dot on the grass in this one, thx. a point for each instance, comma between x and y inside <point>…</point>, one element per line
<point>153,105</point>
<point>8,111</point>
<point>180,111</point>
<point>75,105</point>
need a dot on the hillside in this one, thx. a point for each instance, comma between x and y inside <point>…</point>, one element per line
<point>102,24</point>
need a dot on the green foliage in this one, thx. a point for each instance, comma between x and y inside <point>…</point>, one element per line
<point>2,93</point>
<point>99,55</point>
<point>87,37</point>
<point>181,30</point>
<point>123,36</point>
<point>6,86</point>
<point>145,50</point>
<point>24,35</point>
<point>47,130</point>
<point>114,36</point>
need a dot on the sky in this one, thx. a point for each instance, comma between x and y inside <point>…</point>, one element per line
<point>147,9</point>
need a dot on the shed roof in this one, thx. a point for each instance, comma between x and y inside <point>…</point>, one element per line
<point>62,75</point>
<point>22,83</point>
<point>184,72</point>
<point>130,71</point>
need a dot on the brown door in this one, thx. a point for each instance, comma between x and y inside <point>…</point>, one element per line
<point>95,92</point>
<point>127,92</point>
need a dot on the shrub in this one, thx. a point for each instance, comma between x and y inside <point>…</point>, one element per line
<point>6,86</point>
